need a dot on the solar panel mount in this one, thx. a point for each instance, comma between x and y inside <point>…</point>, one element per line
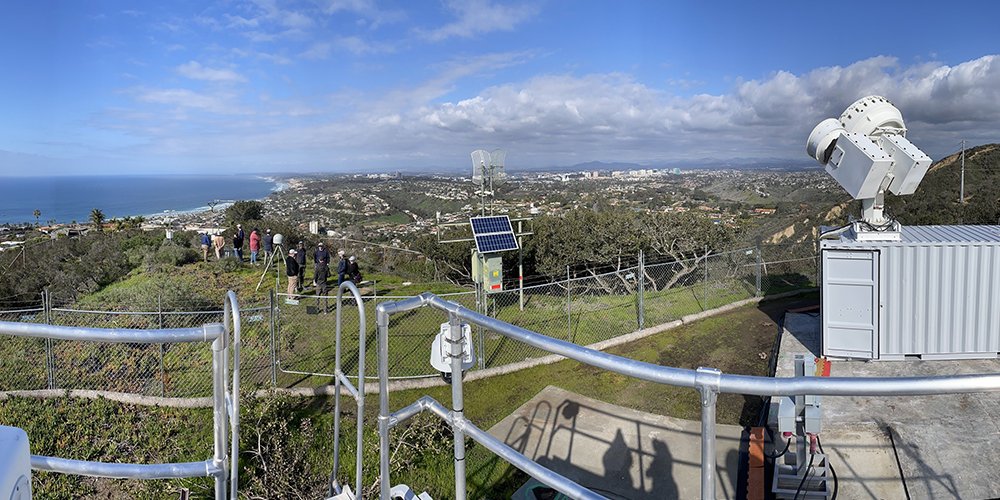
<point>493,234</point>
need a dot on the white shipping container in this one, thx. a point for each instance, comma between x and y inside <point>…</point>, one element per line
<point>935,294</point>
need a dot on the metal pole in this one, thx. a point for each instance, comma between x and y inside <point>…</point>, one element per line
<point>520,266</point>
<point>961,193</point>
<point>382,320</point>
<point>50,359</point>
<point>274,344</point>
<point>457,404</point>
<point>219,413</point>
<point>705,285</point>
<point>708,380</point>
<point>159,318</point>
<point>760,261</point>
<point>336,398</point>
<point>569,315</point>
<point>642,289</point>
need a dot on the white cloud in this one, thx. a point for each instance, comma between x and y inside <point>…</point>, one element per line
<point>195,71</point>
<point>478,17</point>
<point>554,119</point>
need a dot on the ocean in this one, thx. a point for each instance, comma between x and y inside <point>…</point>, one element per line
<point>70,198</point>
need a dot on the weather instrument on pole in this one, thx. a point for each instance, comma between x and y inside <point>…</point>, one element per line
<point>867,152</point>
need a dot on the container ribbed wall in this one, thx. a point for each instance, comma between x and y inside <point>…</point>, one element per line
<point>939,291</point>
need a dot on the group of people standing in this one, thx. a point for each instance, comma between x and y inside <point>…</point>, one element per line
<point>295,264</point>
<point>256,241</point>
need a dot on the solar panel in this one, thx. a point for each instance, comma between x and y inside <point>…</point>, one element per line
<point>493,234</point>
<point>497,224</point>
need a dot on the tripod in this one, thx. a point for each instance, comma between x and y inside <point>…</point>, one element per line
<point>277,269</point>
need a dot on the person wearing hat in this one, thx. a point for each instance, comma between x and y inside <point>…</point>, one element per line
<point>321,258</point>
<point>268,243</point>
<point>341,267</point>
<point>300,257</point>
<point>353,272</point>
<point>292,271</point>
<point>238,238</point>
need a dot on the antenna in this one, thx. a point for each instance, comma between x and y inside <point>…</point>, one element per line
<point>867,152</point>
<point>487,172</point>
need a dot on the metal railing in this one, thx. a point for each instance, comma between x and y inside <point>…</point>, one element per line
<point>225,402</point>
<point>357,392</point>
<point>708,381</point>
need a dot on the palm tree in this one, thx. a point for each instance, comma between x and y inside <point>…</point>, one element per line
<point>37,213</point>
<point>97,218</point>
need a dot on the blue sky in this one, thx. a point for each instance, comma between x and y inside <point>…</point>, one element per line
<point>347,85</point>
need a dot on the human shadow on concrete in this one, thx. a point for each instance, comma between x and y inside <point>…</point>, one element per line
<point>622,454</point>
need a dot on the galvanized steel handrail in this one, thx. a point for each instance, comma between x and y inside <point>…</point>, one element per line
<point>357,392</point>
<point>225,403</point>
<point>709,382</point>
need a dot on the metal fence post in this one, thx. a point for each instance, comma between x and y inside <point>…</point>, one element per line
<point>569,315</point>
<point>705,284</point>
<point>760,266</point>
<point>641,290</point>
<point>159,316</point>
<point>50,360</point>
<point>272,304</point>
<point>707,381</point>
<point>457,403</point>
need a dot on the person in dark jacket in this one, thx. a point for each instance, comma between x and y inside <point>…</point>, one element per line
<point>238,241</point>
<point>205,243</point>
<point>320,257</point>
<point>292,271</point>
<point>341,267</point>
<point>268,243</point>
<point>353,271</point>
<point>300,257</point>
<point>322,290</point>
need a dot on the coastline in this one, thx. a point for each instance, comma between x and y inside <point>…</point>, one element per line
<point>70,198</point>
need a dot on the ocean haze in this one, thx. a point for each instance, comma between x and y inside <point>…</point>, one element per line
<point>70,198</point>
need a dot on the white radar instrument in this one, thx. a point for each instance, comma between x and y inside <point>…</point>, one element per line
<point>867,152</point>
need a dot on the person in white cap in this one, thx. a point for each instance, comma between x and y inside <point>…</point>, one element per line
<point>341,268</point>
<point>353,272</point>
<point>292,271</point>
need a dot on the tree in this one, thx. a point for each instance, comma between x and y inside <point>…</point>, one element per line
<point>243,211</point>
<point>38,214</point>
<point>97,219</point>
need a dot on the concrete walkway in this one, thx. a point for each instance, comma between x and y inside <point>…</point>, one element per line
<point>619,452</point>
<point>947,446</point>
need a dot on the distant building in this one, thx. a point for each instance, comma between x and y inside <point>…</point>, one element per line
<point>313,227</point>
<point>677,171</point>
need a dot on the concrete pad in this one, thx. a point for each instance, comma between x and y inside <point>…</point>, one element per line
<point>948,446</point>
<point>620,452</point>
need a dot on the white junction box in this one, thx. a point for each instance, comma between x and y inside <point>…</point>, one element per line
<point>934,294</point>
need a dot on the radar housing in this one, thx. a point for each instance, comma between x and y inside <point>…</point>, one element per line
<point>867,152</point>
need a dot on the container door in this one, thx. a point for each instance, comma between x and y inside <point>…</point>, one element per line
<point>850,303</point>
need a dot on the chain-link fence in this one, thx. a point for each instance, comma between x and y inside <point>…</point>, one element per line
<point>290,343</point>
<point>583,309</point>
<point>174,370</point>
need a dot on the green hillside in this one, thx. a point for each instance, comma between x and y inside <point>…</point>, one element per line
<point>934,202</point>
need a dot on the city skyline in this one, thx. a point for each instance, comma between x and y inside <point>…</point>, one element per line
<point>336,86</point>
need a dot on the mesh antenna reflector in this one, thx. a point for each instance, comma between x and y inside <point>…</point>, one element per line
<point>497,157</point>
<point>480,165</point>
